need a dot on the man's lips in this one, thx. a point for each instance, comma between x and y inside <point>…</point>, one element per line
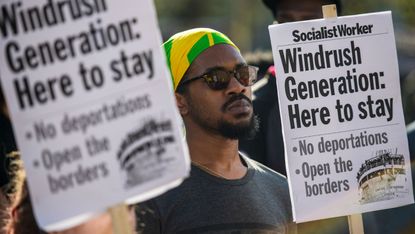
<point>239,106</point>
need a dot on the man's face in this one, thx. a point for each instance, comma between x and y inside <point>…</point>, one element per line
<point>227,112</point>
<point>298,10</point>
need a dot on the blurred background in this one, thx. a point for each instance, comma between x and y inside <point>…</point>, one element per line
<point>246,23</point>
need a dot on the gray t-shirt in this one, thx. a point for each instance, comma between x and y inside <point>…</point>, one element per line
<point>257,203</point>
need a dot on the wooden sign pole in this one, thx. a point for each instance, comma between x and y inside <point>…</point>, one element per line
<point>355,224</point>
<point>329,11</point>
<point>355,221</point>
<point>120,219</point>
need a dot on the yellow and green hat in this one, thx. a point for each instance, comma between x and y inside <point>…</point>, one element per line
<point>183,48</point>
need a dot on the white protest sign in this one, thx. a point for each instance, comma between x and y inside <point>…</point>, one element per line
<point>345,141</point>
<point>92,105</point>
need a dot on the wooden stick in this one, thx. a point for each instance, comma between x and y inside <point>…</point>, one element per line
<point>355,221</point>
<point>329,11</point>
<point>120,219</point>
<point>355,224</point>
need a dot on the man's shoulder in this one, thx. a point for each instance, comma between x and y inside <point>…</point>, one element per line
<point>265,171</point>
<point>272,183</point>
<point>179,194</point>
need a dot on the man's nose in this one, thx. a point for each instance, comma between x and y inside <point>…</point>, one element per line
<point>235,87</point>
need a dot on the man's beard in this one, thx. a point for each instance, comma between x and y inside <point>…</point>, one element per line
<point>234,131</point>
<point>239,131</point>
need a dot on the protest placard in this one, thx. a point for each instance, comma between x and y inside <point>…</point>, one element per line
<point>91,103</point>
<point>344,133</point>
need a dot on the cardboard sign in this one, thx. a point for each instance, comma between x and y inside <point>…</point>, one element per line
<point>92,105</point>
<point>345,141</point>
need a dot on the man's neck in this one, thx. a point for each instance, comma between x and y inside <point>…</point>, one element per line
<point>217,153</point>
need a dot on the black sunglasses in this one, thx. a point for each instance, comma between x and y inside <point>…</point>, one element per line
<point>219,78</point>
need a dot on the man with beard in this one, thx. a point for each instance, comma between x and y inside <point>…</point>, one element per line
<point>226,192</point>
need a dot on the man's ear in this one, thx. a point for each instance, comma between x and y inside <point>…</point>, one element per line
<point>181,104</point>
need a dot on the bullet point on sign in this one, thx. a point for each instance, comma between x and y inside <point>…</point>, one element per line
<point>28,135</point>
<point>295,149</point>
<point>297,171</point>
<point>36,163</point>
